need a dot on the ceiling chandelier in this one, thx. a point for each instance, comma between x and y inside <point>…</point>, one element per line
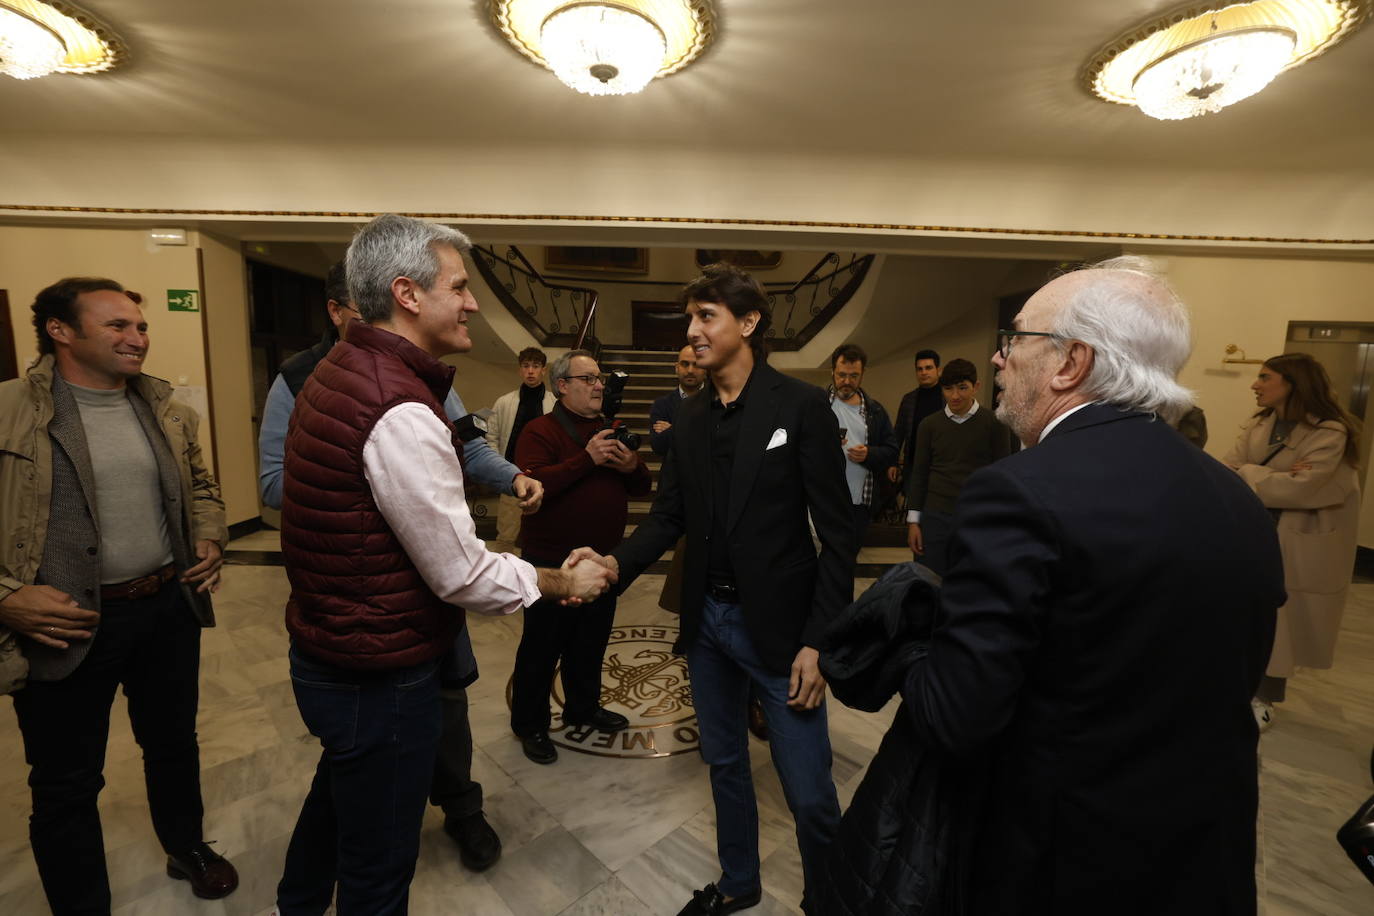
<point>607,48</point>
<point>38,38</point>
<point>1198,60</point>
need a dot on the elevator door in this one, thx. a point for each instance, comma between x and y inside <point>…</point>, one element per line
<point>1347,352</point>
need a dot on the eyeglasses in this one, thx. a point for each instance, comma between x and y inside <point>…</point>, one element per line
<point>1004,338</point>
<point>592,380</point>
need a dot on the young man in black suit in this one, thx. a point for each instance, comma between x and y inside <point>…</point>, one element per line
<point>1107,614</point>
<point>750,457</point>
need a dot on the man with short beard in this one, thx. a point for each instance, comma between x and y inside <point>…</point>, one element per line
<point>664,409</point>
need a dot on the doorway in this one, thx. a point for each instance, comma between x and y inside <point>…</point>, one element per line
<point>657,325</point>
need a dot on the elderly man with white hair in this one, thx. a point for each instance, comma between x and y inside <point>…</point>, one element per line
<point>1107,614</point>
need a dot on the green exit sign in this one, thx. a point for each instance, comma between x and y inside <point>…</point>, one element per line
<point>183,300</point>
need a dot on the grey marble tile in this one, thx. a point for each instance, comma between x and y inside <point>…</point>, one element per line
<point>665,875</point>
<point>547,874</point>
<point>610,898</point>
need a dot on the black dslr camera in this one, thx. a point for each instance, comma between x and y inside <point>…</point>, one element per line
<point>611,399</point>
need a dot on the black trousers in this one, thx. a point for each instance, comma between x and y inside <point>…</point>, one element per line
<point>453,788</point>
<point>575,635</point>
<point>152,647</point>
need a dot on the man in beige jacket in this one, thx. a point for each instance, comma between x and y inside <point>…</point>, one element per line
<point>113,531</point>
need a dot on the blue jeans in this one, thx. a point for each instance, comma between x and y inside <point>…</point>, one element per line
<point>722,662</point>
<point>360,823</point>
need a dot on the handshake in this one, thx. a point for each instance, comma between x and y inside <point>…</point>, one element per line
<point>584,576</point>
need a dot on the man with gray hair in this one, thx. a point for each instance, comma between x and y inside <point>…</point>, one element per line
<point>1106,616</point>
<point>383,558</point>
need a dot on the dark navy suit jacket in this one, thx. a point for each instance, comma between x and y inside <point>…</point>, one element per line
<point>1107,615</point>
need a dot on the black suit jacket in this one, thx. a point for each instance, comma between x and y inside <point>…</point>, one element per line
<point>1108,613</point>
<point>788,591</point>
<point>664,408</point>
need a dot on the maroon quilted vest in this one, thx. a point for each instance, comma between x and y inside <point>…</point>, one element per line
<point>357,601</point>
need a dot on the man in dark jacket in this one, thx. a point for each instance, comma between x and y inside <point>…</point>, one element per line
<point>866,436</point>
<point>917,404</point>
<point>664,409</point>
<point>752,455</point>
<point>1107,614</point>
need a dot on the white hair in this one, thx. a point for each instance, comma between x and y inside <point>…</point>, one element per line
<point>394,246</point>
<point>1139,332</point>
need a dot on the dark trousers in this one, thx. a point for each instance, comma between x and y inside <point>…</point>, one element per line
<point>152,647</point>
<point>453,788</point>
<point>937,528</point>
<point>359,826</point>
<point>863,516</point>
<point>575,635</point>
<point>723,665</point>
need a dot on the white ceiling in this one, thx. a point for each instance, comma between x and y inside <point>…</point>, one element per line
<point>991,80</point>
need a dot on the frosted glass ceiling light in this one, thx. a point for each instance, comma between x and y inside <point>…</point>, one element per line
<point>1199,60</point>
<point>27,49</point>
<point>1210,74</point>
<point>38,38</point>
<point>607,47</point>
<point>602,50</point>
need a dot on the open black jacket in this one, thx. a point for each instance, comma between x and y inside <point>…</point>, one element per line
<point>789,592</point>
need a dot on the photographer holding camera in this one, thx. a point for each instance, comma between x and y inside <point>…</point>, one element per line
<point>590,468</point>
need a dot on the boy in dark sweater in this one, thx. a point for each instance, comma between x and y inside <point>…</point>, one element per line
<point>950,445</point>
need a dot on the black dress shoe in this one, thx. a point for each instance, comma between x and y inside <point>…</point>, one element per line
<point>709,901</point>
<point>603,720</point>
<point>478,845</point>
<point>210,874</point>
<point>539,748</point>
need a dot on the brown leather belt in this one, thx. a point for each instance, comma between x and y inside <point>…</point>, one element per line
<point>142,587</point>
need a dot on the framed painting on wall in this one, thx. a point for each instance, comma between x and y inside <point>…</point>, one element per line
<point>597,259</point>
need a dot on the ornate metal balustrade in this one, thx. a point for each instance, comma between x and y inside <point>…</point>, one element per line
<point>803,308</point>
<point>561,315</point>
<point>555,314</point>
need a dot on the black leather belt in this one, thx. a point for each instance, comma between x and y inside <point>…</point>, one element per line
<point>722,592</point>
<point>142,587</point>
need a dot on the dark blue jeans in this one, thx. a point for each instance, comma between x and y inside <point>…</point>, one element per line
<point>722,662</point>
<point>360,823</point>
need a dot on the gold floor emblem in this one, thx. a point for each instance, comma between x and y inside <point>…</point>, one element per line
<point>644,681</point>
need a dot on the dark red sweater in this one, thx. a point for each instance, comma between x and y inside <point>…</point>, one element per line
<point>584,505</point>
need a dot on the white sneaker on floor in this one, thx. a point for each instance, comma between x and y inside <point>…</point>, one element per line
<point>1264,714</point>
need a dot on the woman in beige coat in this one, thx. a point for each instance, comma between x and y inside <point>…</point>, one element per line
<point>1300,453</point>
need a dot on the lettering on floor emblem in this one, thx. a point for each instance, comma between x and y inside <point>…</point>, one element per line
<point>646,683</point>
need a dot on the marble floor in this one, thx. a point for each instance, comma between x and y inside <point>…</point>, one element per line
<point>606,835</point>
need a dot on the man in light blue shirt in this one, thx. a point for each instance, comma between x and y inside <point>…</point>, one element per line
<point>453,788</point>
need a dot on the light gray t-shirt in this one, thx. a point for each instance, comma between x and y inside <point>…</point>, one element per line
<point>134,539</point>
<point>852,423</point>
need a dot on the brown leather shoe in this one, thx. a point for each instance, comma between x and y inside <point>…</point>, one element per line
<point>210,874</point>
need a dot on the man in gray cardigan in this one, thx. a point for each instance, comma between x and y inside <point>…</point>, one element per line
<point>112,537</point>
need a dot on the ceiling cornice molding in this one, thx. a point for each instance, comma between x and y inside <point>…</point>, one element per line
<point>685,221</point>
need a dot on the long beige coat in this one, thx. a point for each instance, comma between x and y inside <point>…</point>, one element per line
<point>1317,532</point>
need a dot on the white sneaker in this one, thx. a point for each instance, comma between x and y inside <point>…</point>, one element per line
<point>1264,714</point>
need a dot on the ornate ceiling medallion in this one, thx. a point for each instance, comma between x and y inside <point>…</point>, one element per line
<point>38,38</point>
<point>607,47</point>
<point>1200,59</point>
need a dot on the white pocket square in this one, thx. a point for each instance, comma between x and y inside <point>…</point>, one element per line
<point>779,438</point>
